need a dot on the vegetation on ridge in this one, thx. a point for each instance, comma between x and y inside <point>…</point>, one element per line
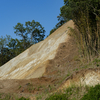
<point>86,16</point>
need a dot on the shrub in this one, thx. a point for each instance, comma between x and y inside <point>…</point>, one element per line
<point>93,93</point>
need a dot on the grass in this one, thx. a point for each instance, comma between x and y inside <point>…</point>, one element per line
<point>74,93</point>
<point>39,97</point>
<point>96,60</point>
<point>71,93</point>
<point>77,93</point>
<point>19,87</point>
<point>93,93</point>
<point>9,96</point>
<point>30,87</point>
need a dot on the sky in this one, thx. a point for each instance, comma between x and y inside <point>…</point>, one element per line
<point>21,11</point>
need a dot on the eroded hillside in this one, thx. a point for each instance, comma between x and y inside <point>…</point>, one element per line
<point>48,66</point>
<point>32,62</point>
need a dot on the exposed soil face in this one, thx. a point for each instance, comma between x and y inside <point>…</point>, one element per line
<point>56,70</point>
<point>18,86</point>
<point>64,61</point>
<point>89,77</point>
<point>33,61</point>
<point>26,87</point>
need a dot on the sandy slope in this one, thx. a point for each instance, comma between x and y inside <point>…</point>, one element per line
<point>32,62</point>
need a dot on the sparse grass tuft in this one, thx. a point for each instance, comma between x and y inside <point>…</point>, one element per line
<point>4,96</point>
<point>19,87</point>
<point>57,97</point>
<point>96,60</point>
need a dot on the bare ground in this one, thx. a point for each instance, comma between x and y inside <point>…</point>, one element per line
<point>57,70</point>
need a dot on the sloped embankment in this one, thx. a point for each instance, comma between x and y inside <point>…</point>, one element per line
<point>32,62</point>
<point>42,65</point>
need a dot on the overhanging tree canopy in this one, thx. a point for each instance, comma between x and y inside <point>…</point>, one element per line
<point>86,16</point>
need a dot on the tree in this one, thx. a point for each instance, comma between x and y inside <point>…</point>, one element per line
<point>52,30</point>
<point>86,16</point>
<point>21,31</point>
<point>73,9</point>
<point>35,30</point>
<point>4,51</point>
<point>4,41</point>
<point>61,21</point>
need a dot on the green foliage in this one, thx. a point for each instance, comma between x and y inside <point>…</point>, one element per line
<point>9,48</point>
<point>33,31</point>
<point>93,93</point>
<point>60,23</point>
<point>97,65</point>
<point>9,96</point>
<point>96,60</point>
<point>52,31</point>
<point>86,16</point>
<point>20,30</point>
<point>65,95</point>
<point>4,51</point>
<point>19,87</point>
<point>57,97</point>
<point>77,93</point>
<point>72,8</point>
